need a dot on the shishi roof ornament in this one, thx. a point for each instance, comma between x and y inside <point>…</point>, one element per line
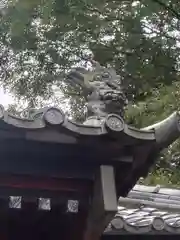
<point>102,89</point>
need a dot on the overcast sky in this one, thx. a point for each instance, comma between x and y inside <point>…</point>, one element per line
<point>5,99</point>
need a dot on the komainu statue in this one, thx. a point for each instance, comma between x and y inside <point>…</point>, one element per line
<point>102,89</point>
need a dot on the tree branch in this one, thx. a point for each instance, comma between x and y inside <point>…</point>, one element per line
<point>168,8</point>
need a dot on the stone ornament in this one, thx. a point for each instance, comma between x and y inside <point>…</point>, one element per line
<point>54,116</point>
<point>114,122</point>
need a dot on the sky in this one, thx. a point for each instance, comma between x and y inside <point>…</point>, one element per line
<point>5,98</point>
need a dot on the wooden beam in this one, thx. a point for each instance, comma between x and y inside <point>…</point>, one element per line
<point>44,183</point>
<point>103,205</point>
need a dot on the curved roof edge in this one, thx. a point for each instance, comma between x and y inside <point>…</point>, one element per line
<point>54,118</point>
<point>166,131</point>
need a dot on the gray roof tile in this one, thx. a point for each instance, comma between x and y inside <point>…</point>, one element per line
<point>160,213</point>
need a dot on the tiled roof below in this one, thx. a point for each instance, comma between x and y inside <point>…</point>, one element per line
<point>145,219</point>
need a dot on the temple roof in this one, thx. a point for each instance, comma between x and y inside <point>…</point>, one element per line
<point>48,133</point>
<point>147,210</point>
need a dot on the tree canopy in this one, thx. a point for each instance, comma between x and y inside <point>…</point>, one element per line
<point>40,40</point>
